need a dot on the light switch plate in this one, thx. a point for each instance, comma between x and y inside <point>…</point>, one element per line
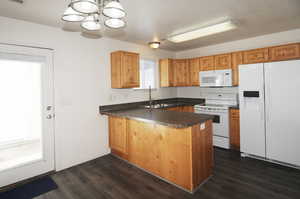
<point>202,126</point>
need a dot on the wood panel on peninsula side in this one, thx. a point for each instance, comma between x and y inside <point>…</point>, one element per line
<point>181,156</point>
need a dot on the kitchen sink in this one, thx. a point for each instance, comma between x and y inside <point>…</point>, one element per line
<point>158,106</point>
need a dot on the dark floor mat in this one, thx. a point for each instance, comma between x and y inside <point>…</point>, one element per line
<point>31,189</point>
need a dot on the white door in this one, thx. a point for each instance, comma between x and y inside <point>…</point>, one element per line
<point>282,111</point>
<point>26,119</point>
<point>252,114</point>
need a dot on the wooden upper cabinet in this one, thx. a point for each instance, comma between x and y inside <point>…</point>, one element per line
<point>194,65</point>
<point>207,63</point>
<point>125,72</point>
<point>118,135</point>
<point>256,56</point>
<point>166,72</point>
<point>181,72</point>
<point>222,62</point>
<point>237,59</point>
<point>285,52</point>
<point>235,129</point>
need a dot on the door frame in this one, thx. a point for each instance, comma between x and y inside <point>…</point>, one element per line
<point>47,163</point>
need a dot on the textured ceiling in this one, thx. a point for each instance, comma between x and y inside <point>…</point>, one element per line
<point>148,20</point>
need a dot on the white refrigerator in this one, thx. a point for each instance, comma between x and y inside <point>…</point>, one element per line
<point>269,97</point>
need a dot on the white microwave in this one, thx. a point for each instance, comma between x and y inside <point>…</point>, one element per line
<point>215,78</point>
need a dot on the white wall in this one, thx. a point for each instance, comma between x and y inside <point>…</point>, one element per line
<point>82,83</point>
<point>274,39</point>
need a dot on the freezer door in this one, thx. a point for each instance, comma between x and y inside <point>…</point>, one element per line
<point>282,111</point>
<point>252,114</point>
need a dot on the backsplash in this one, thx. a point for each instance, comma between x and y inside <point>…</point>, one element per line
<point>135,95</point>
<point>197,92</point>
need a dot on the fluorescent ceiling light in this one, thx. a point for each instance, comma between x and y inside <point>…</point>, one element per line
<point>202,32</point>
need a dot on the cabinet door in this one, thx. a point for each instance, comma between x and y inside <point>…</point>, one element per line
<point>130,70</point>
<point>166,73</point>
<point>235,129</point>
<point>222,62</point>
<point>194,65</point>
<point>175,155</point>
<point>237,59</point>
<point>188,109</point>
<point>118,134</point>
<point>207,63</point>
<point>285,52</point>
<point>256,56</point>
<point>181,72</point>
<point>143,136</point>
<point>177,108</point>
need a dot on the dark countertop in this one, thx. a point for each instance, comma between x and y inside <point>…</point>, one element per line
<point>235,107</point>
<point>158,116</point>
<point>137,111</point>
<point>172,102</point>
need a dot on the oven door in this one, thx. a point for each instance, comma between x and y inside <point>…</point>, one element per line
<point>220,123</point>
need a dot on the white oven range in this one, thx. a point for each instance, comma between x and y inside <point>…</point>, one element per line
<point>219,108</point>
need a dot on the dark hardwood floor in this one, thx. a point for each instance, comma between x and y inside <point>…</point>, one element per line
<point>234,177</point>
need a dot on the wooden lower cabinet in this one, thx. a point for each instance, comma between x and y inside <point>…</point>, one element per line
<point>187,109</point>
<point>181,156</point>
<point>235,129</point>
<point>118,136</point>
<point>182,109</point>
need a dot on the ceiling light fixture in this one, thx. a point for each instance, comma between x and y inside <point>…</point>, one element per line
<point>114,10</point>
<point>71,15</point>
<point>91,22</point>
<point>114,23</point>
<point>202,32</point>
<point>89,11</point>
<point>85,6</point>
<point>154,44</point>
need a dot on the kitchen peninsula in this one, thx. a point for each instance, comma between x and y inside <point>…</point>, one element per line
<point>174,146</point>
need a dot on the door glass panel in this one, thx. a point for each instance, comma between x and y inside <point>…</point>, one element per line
<point>21,110</point>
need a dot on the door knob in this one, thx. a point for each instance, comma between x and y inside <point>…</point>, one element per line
<point>49,117</point>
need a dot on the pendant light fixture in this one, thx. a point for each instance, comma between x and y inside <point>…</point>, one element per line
<point>91,23</point>
<point>85,6</point>
<point>71,15</point>
<point>115,23</point>
<point>114,10</point>
<point>89,12</point>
